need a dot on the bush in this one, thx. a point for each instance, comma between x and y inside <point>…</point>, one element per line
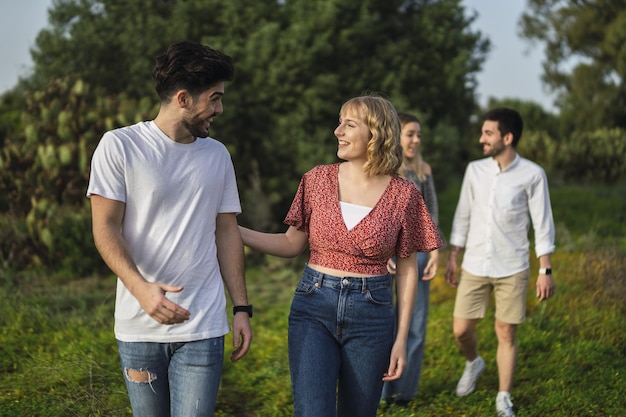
<point>44,171</point>
<point>540,148</point>
<point>595,157</point>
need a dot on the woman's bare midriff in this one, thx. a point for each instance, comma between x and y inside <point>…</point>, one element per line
<point>337,272</point>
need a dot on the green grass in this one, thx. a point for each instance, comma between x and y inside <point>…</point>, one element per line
<point>58,355</point>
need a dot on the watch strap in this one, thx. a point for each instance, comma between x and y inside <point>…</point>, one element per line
<point>247,309</point>
<point>545,271</point>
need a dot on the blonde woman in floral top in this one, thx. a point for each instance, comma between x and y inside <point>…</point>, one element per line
<point>354,216</point>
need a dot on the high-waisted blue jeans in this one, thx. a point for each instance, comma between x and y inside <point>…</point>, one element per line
<point>182,379</point>
<point>340,339</point>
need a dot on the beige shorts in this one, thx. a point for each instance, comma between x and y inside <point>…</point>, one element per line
<point>473,294</point>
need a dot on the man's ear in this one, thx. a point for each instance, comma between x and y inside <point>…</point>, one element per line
<point>182,98</point>
<point>508,139</point>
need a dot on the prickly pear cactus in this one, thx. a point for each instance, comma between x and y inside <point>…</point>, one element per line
<point>44,170</point>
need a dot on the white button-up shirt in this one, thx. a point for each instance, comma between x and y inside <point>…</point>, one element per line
<point>493,216</point>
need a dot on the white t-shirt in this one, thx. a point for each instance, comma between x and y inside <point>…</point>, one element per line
<point>173,194</point>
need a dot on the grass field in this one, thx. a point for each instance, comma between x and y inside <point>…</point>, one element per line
<point>58,355</point>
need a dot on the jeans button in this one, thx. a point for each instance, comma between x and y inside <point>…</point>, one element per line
<point>345,281</point>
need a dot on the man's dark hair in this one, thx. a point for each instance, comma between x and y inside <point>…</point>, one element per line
<point>509,121</point>
<point>190,66</point>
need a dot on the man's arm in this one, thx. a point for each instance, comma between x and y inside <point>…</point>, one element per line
<point>543,224</point>
<point>460,227</point>
<point>107,216</point>
<point>231,260</point>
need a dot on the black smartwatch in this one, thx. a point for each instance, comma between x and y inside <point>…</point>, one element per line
<point>247,309</point>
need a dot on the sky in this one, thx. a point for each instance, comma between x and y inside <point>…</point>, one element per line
<point>20,21</point>
<point>512,69</point>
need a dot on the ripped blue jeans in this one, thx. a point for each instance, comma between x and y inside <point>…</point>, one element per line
<point>172,379</point>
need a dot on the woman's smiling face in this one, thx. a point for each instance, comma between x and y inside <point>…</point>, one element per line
<point>353,135</point>
<point>410,139</point>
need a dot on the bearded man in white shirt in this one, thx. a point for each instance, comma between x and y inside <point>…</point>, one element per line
<point>500,195</point>
<point>164,203</point>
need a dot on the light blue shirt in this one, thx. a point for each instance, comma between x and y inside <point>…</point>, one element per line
<point>493,216</point>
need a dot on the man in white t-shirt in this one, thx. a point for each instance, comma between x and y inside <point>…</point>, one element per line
<point>500,196</point>
<point>164,204</point>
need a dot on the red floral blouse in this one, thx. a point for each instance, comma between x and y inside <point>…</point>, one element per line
<point>399,224</point>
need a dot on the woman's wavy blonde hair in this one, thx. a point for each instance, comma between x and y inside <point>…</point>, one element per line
<point>384,152</point>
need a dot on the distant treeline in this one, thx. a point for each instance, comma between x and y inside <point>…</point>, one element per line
<point>296,63</point>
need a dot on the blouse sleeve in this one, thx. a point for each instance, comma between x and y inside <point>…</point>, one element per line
<point>418,231</point>
<point>298,215</point>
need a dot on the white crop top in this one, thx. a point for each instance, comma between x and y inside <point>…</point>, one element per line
<point>353,213</point>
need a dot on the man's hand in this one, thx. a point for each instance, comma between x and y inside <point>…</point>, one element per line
<point>545,287</point>
<point>242,336</point>
<point>451,270</point>
<point>451,273</point>
<point>151,297</point>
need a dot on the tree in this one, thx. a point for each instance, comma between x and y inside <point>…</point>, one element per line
<point>585,58</point>
<point>314,58</point>
<point>112,44</point>
<point>11,108</point>
<point>296,62</point>
<point>535,117</point>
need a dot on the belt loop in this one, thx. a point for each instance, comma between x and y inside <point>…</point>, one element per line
<point>319,280</point>
<point>363,286</point>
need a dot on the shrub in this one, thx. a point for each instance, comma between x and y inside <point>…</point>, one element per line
<point>596,157</point>
<point>541,148</point>
<point>44,171</point>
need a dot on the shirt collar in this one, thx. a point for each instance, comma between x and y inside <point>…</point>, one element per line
<point>512,165</point>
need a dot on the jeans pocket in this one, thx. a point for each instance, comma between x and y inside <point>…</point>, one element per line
<point>305,288</point>
<point>380,296</point>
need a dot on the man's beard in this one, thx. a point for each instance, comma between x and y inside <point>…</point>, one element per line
<point>494,150</point>
<point>196,129</point>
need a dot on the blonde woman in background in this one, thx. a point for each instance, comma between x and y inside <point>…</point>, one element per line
<point>416,170</point>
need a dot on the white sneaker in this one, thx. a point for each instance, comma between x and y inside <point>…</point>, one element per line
<point>504,406</point>
<point>467,383</point>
